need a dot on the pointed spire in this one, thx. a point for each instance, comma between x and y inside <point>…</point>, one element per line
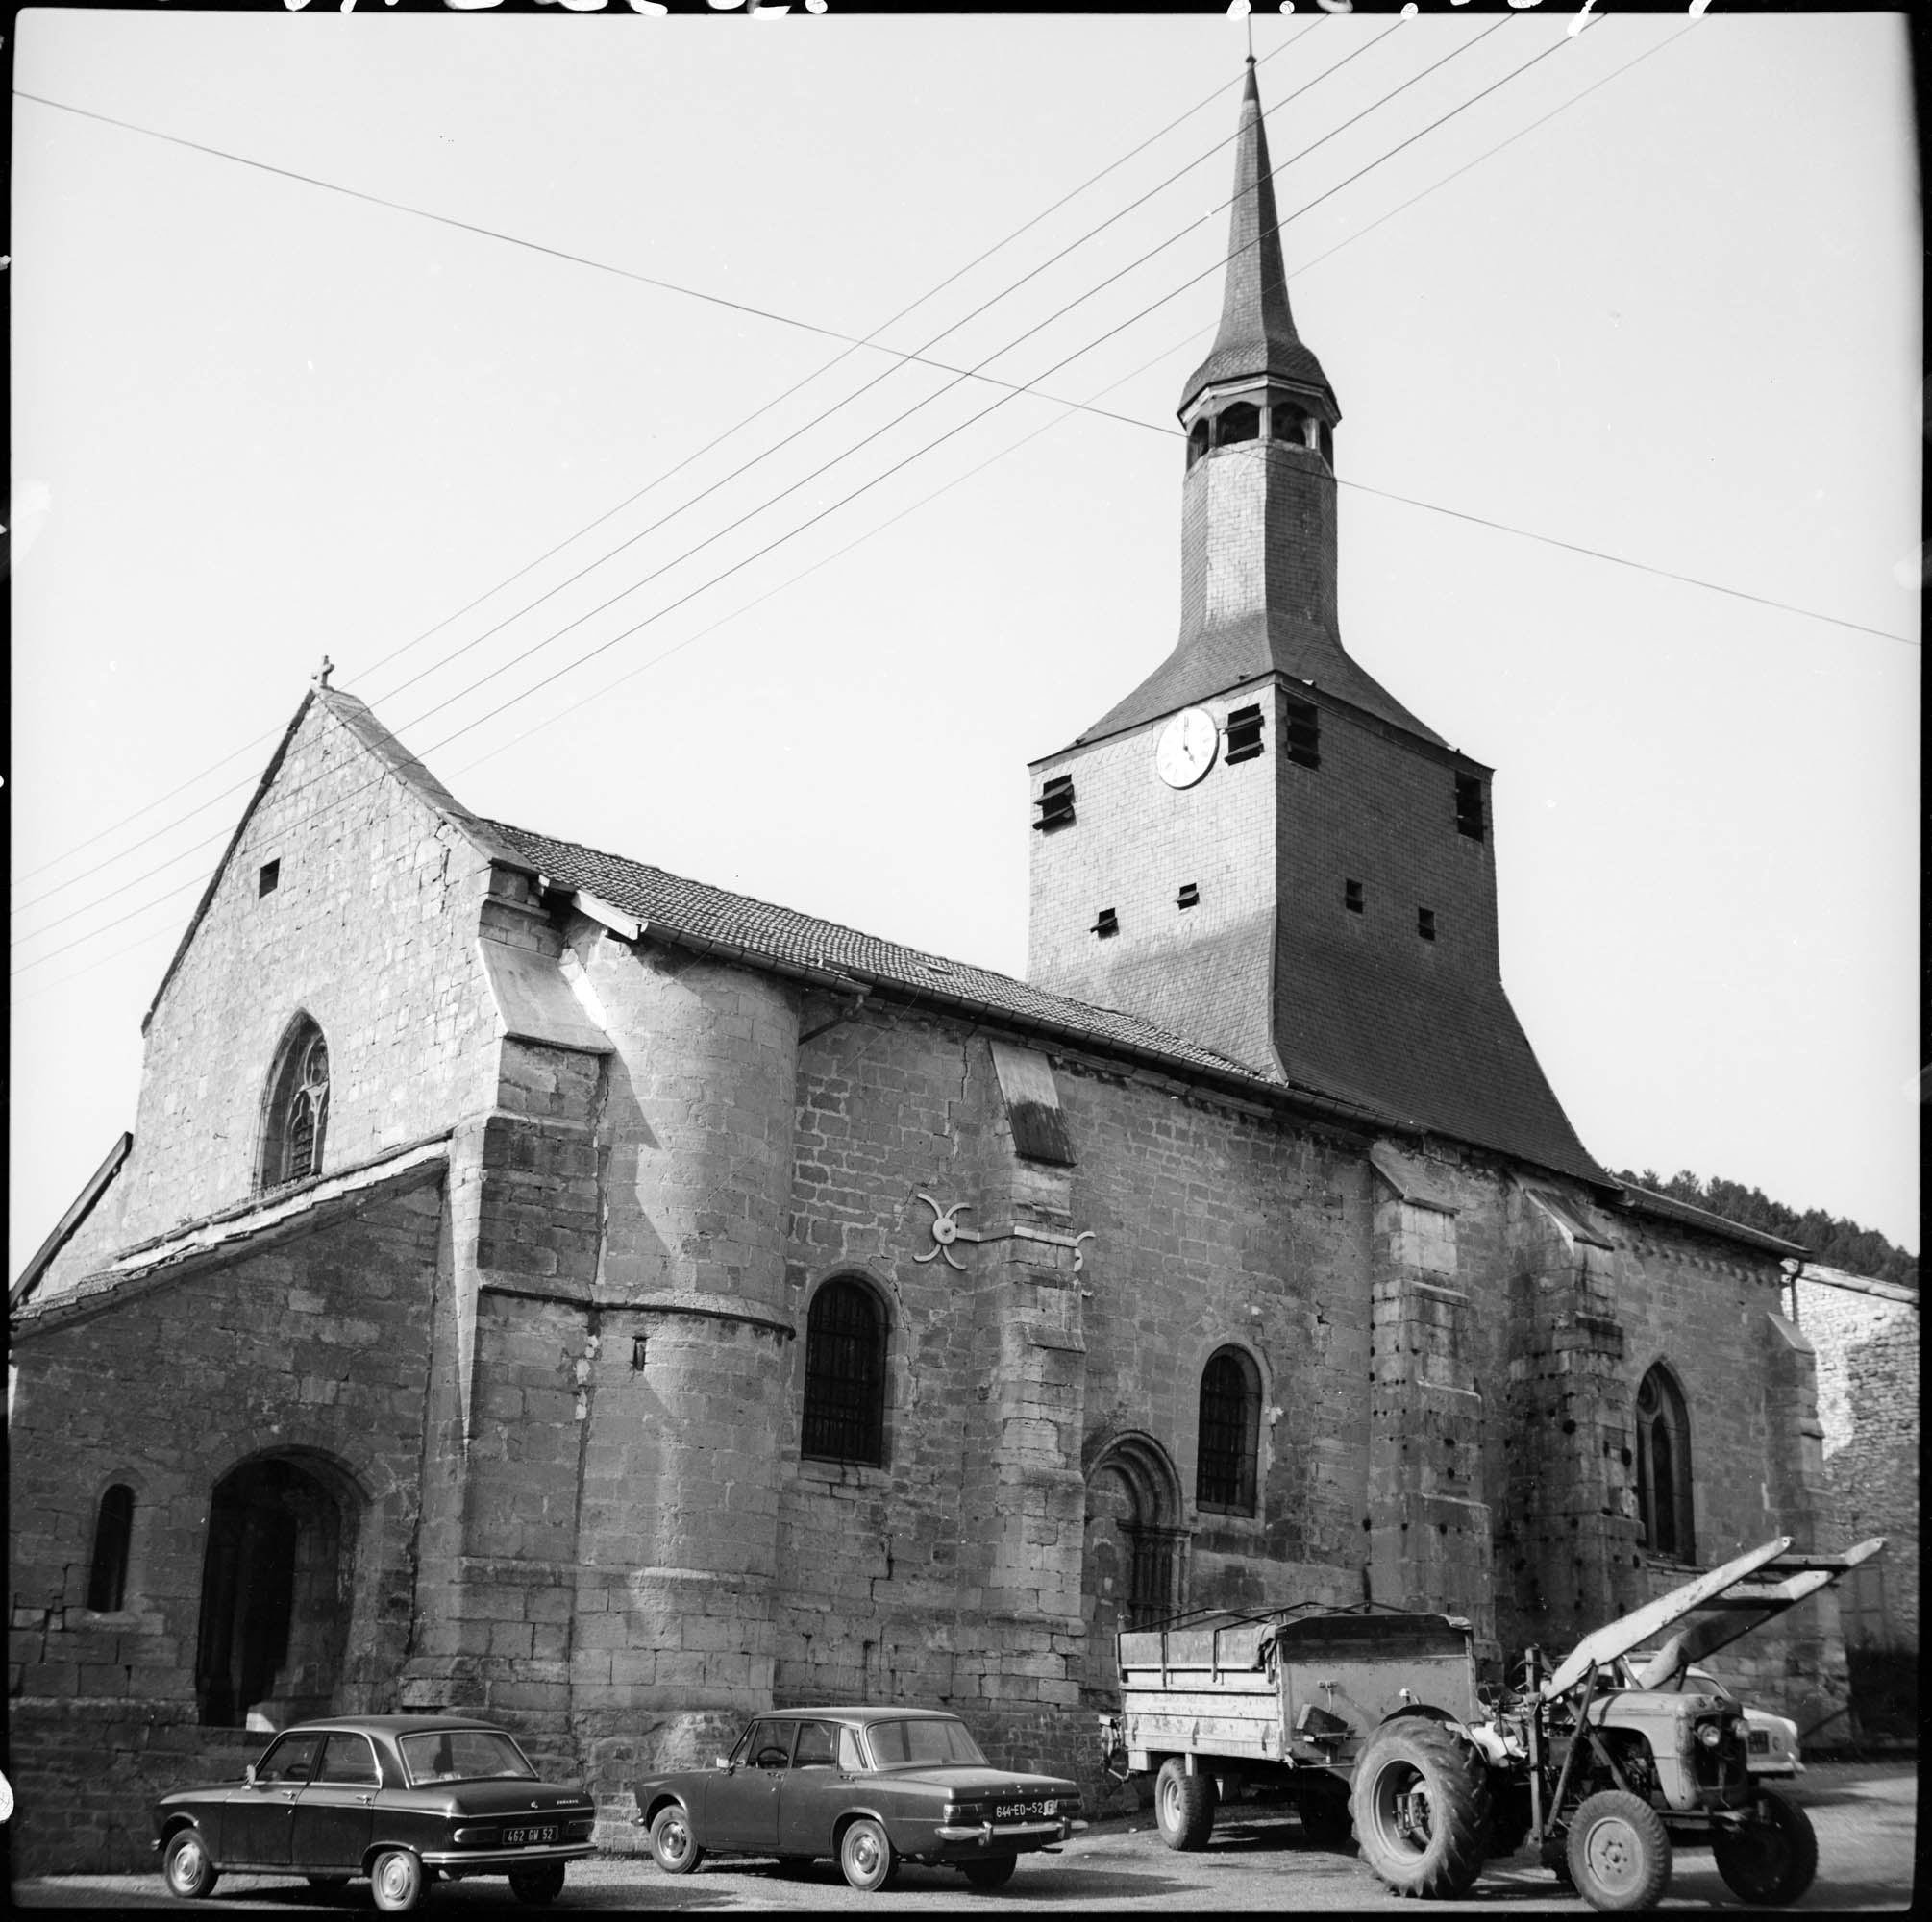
<point>1257,331</point>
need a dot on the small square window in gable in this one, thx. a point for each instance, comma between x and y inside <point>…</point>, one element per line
<point>1188,896</point>
<point>1425,923</point>
<point>1056,804</point>
<point>1244,735</point>
<point>268,879</point>
<point>1352,897</point>
<point>1108,923</point>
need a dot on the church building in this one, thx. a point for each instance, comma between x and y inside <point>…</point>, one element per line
<point>539,1285</point>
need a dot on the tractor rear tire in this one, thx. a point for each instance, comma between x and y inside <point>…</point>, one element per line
<point>1774,1861</point>
<point>1619,1854</point>
<point>1420,1805</point>
<point>1183,1806</point>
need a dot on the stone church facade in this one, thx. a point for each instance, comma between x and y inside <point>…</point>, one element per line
<point>539,1284</point>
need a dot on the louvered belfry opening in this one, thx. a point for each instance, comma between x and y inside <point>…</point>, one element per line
<point>845,1377</point>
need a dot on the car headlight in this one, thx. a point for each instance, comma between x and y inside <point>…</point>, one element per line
<point>1710,1735</point>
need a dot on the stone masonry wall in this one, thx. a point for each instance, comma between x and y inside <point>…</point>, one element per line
<point>370,928</point>
<point>1868,1349</point>
<point>316,1350</point>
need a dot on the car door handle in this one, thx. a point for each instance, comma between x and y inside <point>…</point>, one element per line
<point>288,1794</point>
<point>365,1800</point>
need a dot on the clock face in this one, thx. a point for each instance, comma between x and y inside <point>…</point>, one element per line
<point>1187,747</point>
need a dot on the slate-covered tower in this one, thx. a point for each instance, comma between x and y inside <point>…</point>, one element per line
<point>1260,846</point>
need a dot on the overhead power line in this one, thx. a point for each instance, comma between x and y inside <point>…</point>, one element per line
<point>662,612</point>
<point>1071,404</point>
<point>764,408</point>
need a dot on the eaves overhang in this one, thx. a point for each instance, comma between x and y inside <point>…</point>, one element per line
<point>244,1230</point>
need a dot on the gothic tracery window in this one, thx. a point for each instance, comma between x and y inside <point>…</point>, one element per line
<point>1230,1420</point>
<point>298,1110</point>
<point>845,1376</point>
<point>1664,1468</point>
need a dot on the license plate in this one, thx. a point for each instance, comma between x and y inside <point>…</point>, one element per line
<point>1015,1811</point>
<point>519,1837</point>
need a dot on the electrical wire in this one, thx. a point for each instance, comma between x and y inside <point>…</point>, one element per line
<point>758,412</point>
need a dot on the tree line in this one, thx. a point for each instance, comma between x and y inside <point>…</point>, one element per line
<point>1831,1239</point>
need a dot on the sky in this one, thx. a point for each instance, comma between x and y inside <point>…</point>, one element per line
<point>1670,329</point>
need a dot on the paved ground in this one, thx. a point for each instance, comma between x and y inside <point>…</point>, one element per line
<point>1866,1816</point>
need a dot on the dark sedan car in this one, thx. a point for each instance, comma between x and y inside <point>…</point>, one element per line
<point>869,1787</point>
<point>402,1799</point>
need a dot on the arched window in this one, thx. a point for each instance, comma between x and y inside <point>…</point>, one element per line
<point>1240,422</point>
<point>845,1376</point>
<point>298,1109</point>
<point>1231,1426</point>
<point>1197,441</point>
<point>113,1529</point>
<point>1289,424</point>
<point>1664,1468</point>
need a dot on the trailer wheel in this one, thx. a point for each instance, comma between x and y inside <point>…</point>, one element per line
<point>1620,1855</point>
<point>1774,1860</point>
<point>1183,1806</point>
<point>1420,1805</point>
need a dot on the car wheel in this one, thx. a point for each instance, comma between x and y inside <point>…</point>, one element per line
<point>866,1855</point>
<point>1773,1861</point>
<point>1183,1806</point>
<point>537,1886</point>
<point>673,1845</point>
<point>188,1868</point>
<point>396,1880</point>
<point>995,1872</point>
<point>1619,1854</point>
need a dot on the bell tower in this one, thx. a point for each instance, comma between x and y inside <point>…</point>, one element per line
<point>1259,847</point>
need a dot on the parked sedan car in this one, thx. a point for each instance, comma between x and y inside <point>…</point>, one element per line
<point>402,1799</point>
<point>1770,1741</point>
<point>868,1787</point>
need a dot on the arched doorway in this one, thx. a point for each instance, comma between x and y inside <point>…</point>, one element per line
<point>1131,1556</point>
<point>273,1595</point>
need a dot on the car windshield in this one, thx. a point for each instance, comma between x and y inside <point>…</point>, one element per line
<point>463,1754</point>
<point>908,1744</point>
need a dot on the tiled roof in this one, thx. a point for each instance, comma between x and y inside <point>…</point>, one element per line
<point>760,931</point>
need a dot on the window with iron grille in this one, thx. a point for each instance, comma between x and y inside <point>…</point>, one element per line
<point>845,1376</point>
<point>1664,1468</point>
<point>1303,728</point>
<point>1469,806</point>
<point>113,1529</point>
<point>1150,1596</point>
<point>1230,1412</point>
<point>1244,734</point>
<point>298,1109</point>
<point>1056,803</point>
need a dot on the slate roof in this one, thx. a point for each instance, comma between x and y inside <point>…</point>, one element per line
<point>1225,656</point>
<point>1257,329</point>
<point>674,907</point>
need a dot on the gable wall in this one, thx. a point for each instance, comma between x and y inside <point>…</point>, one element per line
<point>371,929</point>
<point>318,1349</point>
